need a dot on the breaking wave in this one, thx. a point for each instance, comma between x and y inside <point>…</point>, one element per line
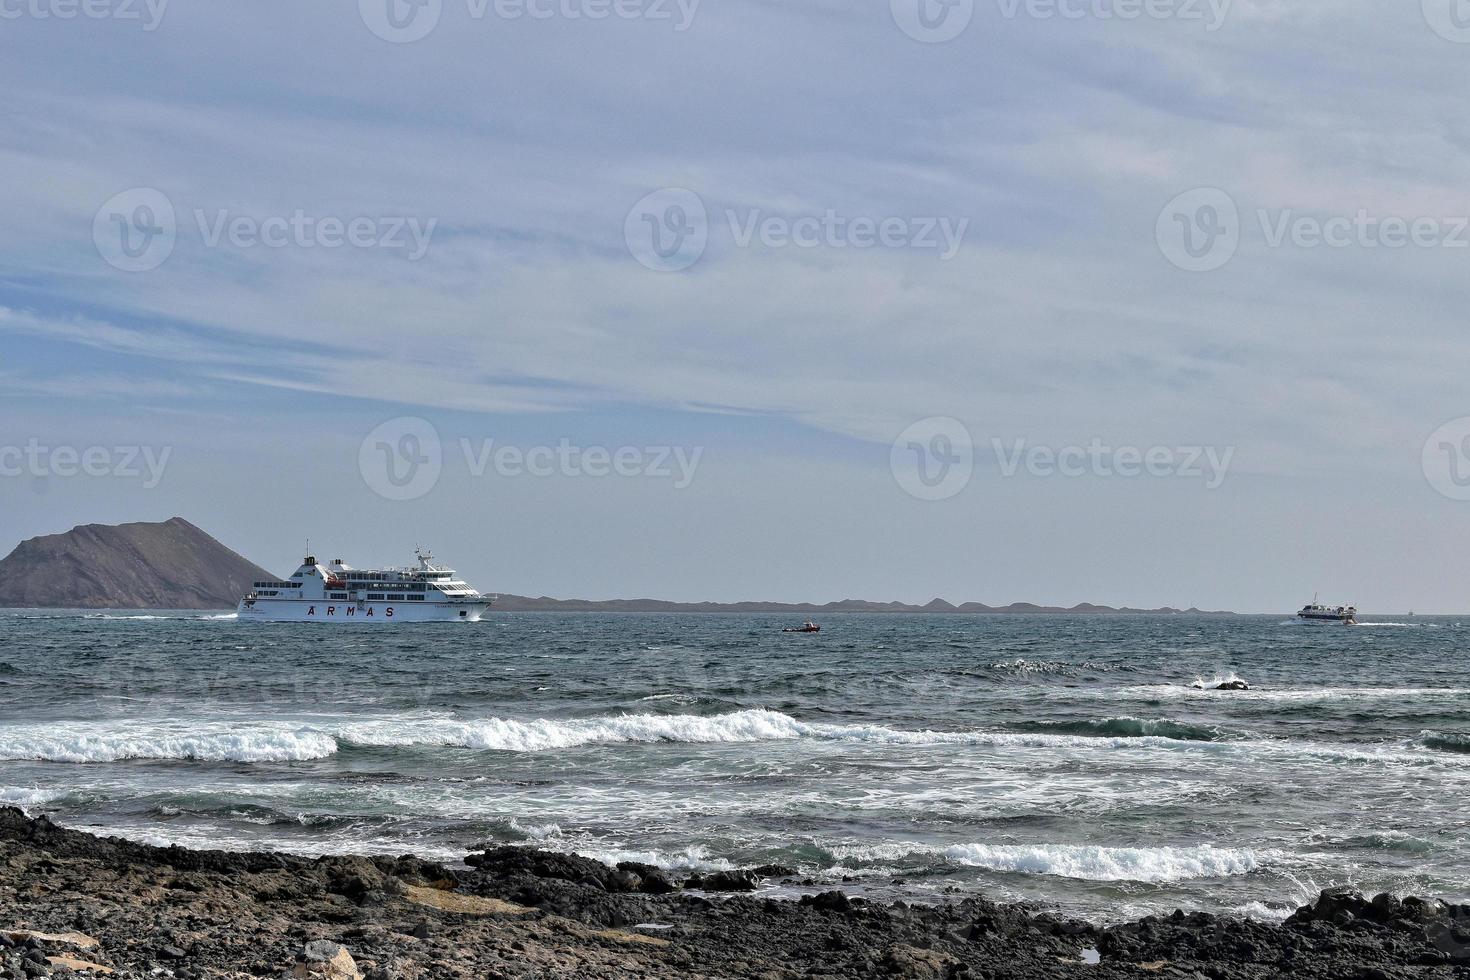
<point>752,725</point>
<point>1127,727</point>
<point>1444,741</point>
<point>114,743</point>
<point>1079,861</point>
<point>22,796</point>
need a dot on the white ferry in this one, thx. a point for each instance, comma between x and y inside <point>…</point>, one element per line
<point>339,593</point>
<point>1317,613</point>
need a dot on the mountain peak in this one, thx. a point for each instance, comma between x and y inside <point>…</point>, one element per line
<point>168,564</point>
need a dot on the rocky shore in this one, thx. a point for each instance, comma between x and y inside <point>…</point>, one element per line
<point>73,902</point>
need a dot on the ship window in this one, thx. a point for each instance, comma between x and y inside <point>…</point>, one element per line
<point>396,597</point>
<point>414,598</point>
<point>338,595</point>
<point>375,595</point>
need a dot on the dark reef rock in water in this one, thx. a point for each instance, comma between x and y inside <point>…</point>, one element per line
<point>69,900</point>
<point>1233,686</point>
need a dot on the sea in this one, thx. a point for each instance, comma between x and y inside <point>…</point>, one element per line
<point>1082,763</point>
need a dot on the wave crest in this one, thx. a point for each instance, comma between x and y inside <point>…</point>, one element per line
<point>112,744</point>
<point>1458,742</point>
<point>1085,862</point>
<point>751,725</point>
<point>1129,727</point>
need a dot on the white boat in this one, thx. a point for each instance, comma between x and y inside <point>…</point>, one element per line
<point>339,593</point>
<point>1315,612</point>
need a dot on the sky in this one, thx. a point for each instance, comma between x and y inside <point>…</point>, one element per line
<point>1144,302</point>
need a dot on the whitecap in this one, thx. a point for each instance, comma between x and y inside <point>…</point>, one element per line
<point>116,741</point>
<point>751,725</point>
<point>1086,862</point>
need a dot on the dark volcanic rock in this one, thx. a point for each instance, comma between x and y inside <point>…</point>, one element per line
<point>210,913</point>
<point>723,881</point>
<point>172,565</point>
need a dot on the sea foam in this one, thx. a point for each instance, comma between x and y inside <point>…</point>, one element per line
<point>1081,861</point>
<point>113,742</point>
<point>752,725</point>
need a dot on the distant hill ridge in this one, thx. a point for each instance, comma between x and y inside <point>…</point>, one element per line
<point>517,603</point>
<point>175,565</point>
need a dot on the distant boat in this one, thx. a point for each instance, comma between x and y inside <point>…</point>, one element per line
<point>807,627</point>
<point>1315,612</point>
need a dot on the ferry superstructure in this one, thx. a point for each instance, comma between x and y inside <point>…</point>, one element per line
<point>339,593</point>
<point>1315,612</point>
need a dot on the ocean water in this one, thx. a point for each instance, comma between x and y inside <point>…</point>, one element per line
<point>1083,763</point>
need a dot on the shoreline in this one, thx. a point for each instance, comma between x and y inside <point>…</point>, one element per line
<point>109,904</point>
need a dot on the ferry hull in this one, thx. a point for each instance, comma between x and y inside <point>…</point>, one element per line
<point>317,611</point>
<point>1344,619</point>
